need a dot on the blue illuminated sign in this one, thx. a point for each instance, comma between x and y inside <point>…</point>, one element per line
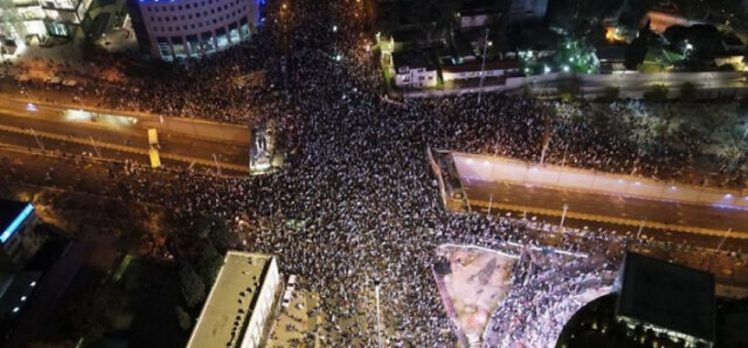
<point>13,227</point>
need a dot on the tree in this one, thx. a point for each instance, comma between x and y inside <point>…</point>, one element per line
<point>688,92</point>
<point>570,88</point>
<point>220,235</point>
<point>743,102</point>
<point>657,93</point>
<point>193,287</point>
<point>90,312</point>
<point>637,50</point>
<point>209,263</point>
<point>527,91</point>
<point>185,320</point>
<point>202,227</point>
<point>611,94</point>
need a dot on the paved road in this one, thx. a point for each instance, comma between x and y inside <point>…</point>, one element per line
<point>729,269</point>
<point>191,128</point>
<point>677,215</point>
<point>60,98</point>
<point>116,131</point>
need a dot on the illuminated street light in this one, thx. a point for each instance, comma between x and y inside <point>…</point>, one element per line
<point>338,57</point>
<point>334,28</point>
<point>546,69</point>
<point>566,68</point>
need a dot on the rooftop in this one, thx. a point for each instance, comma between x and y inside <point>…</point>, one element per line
<point>413,60</point>
<point>231,301</point>
<point>668,295</point>
<point>478,66</point>
<point>12,215</point>
<point>478,7</point>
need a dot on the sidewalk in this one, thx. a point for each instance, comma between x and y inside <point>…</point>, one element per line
<point>294,324</point>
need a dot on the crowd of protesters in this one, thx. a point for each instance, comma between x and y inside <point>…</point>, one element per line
<point>356,207</point>
<point>547,290</point>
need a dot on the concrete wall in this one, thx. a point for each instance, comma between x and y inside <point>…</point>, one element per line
<point>261,312</point>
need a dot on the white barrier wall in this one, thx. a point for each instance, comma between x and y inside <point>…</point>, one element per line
<point>631,84</point>
<point>493,169</point>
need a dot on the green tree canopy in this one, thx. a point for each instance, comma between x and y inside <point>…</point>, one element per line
<point>193,287</point>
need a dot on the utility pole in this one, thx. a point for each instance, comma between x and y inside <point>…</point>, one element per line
<point>379,314</point>
<point>723,239</point>
<point>543,151</point>
<point>483,67</point>
<point>218,168</point>
<point>641,227</point>
<point>563,216</point>
<point>38,142</point>
<point>98,154</point>
<point>490,203</point>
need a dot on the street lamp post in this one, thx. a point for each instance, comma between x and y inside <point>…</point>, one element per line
<point>490,203</point>
<point>483,67</point>
<point>639,232</point>
<point>379,314</point>
<point>563,216</point>
<point>93,143</point>
<point>215,160</point>
<point>723,239</point>
<point>38,142</point>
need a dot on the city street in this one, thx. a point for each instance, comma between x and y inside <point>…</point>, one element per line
<point>606,209</point>
<point>182,139</point>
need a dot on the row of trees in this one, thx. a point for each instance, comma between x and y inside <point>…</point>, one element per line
<point>570,89</point>
<point>210,238</point>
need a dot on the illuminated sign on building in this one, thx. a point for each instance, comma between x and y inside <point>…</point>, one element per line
<point>16,223</point>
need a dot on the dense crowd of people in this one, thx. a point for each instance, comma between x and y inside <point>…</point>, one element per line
<point>356,206</point>
<point>547,290</point>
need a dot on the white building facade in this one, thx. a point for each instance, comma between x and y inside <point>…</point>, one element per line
<point>419,77</point>
<point>23,19</point>
<point>169,29</point>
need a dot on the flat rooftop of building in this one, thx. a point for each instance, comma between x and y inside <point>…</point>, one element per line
<point>9,211</point>
<point>414,60</point>
<point>667,295</point>
<point>231,301</point>
<point>478,7</point>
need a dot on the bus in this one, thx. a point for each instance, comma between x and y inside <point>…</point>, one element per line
<point>153,138</point>
<point>155,158</point>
